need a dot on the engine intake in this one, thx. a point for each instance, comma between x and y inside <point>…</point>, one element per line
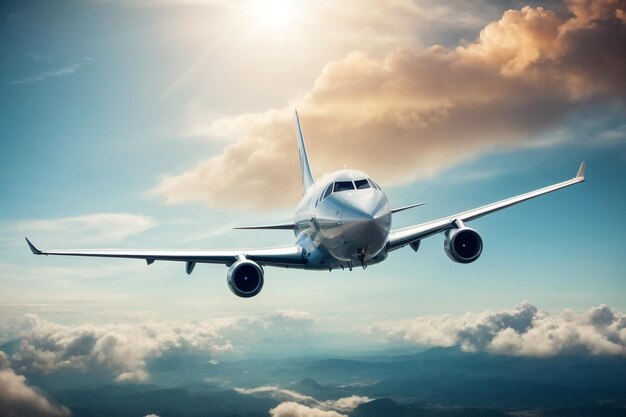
<point>463,245</point>
<point>245,278</point>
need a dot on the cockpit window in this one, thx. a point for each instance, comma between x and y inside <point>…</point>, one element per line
<point>361,184</point>
<point>328,191</point>
<point>343,186</point>
<point>375,185</point>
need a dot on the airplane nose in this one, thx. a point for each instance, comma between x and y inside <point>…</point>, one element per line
<point>366,223</point>
<point>363,210</point>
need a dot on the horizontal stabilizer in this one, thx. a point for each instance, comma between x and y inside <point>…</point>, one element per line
<point>278,226</point>
<point>407,207</point>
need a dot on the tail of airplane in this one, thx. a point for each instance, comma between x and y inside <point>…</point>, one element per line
<point>307,177</point>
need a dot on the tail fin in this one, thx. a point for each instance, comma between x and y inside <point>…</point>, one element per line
<point>307,177</point>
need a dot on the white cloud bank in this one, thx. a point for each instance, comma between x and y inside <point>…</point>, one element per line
<point>522,331</point>
<point>122,351</point>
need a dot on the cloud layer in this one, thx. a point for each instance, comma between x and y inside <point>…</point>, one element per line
<point>417,111</point>
<point>122,351</point>
<point>523,331</point>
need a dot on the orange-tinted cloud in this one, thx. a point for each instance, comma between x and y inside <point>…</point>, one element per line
<point>417,111</point>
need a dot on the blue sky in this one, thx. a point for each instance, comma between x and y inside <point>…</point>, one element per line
<point>102,102</point>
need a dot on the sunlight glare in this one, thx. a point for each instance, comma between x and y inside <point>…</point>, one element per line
<point>274,13</point>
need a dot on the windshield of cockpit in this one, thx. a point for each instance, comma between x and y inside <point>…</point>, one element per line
<point>339,186</point>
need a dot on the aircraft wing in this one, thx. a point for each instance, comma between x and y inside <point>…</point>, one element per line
<point>286,256</point>
<point>402,237</point>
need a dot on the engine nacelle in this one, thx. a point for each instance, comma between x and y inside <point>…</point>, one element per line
<point>463,245</point>
<point>245,278</point>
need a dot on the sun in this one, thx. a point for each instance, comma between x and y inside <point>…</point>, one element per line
<point>274,13</point>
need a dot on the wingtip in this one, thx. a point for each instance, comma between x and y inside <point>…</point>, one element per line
<point>581,170</point>
<point>32,247</point>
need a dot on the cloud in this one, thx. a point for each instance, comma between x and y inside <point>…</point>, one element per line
<point>123,351</point>
<point>293,409</point>
<point>278,393</point>
<point>59,72</point>
<point>346,404</point>
<point>588,11</point>
<point>523,331</point>
<point>4,361</point>
<point>88,228</point>
<point>17,399</point>
<point>417,111</point>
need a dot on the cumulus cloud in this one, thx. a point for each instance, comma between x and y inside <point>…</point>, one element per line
<point>123,351</point>
<point>89,228</point>
<point>523,331</point>
<point>17,399</point>
<point>417,111</point>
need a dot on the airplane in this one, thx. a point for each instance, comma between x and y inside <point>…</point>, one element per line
<point>342,221</point>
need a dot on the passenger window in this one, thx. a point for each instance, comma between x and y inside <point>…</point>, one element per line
<point>361,184</point>
<point>344,186</point>
<point>328,191</point>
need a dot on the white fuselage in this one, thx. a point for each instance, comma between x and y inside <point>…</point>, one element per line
<point>343,220</point>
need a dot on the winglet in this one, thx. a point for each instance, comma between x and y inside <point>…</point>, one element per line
<point>32,247</point>
<point>581,170</point>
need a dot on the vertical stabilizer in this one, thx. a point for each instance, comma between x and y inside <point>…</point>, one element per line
<point>307,177</point>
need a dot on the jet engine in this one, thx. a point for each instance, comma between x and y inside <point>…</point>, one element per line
<point>245,278</point>
<point>463,245</point>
